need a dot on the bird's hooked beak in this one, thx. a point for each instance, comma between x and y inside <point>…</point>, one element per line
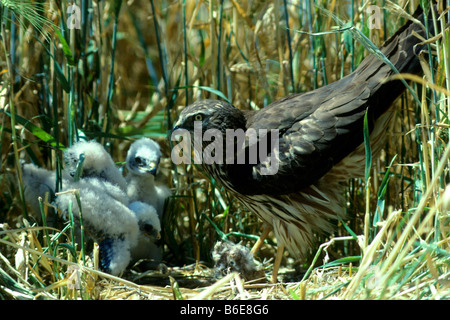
<point>153,237</point>
<point>150,232</point>
<point>152,167</point>
<point>146,166</point>
<point>176,126</point>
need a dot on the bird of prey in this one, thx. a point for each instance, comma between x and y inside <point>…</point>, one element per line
<point>147,246</point>
<point>125,230</point>
<point>106,219</point>
<point>104,211</point>
<point>97,162</point>
<point>37,182</point>
<point>318,144</point>
<point>118,252</point>
<point>142,163</point>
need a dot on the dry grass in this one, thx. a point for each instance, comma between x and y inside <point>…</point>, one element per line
<point>122,78</point>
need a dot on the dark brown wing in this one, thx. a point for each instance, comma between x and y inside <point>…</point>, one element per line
<point>320,128</point>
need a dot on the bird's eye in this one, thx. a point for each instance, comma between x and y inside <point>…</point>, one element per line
<point>148,228</point>
<point>138,160</point>
<point>198,117</point>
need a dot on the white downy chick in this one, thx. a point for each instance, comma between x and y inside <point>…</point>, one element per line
<point>114,254</point>
<point>104,203</point>
<point>142,163</point>
<point>97,163</point>
<point>106,219</point>
<point>148,243</point>
<point>37,182</point>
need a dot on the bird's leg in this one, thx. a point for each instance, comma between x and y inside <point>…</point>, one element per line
<point>277,263</point>
<point>262,237</point>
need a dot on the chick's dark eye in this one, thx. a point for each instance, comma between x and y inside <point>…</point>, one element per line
<point>198,117</point>
<point>138,160</point>
<point>147,228</point>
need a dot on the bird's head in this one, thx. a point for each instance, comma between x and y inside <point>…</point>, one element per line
<point>95,159</point>
<point>149,231</point>
<point>143,157</point>
<point>148,220</point>
<point>211,114</point>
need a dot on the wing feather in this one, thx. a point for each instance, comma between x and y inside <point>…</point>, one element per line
<point>318,129</point>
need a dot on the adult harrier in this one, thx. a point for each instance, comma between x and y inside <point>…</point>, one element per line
<point>320,143</point>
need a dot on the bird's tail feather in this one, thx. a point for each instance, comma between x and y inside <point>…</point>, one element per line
<point>402,50</point>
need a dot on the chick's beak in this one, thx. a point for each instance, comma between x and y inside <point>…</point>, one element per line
<point>147,166</point>
<point>151,167</point>
<point>150,232</point>
<point>153,236</point>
